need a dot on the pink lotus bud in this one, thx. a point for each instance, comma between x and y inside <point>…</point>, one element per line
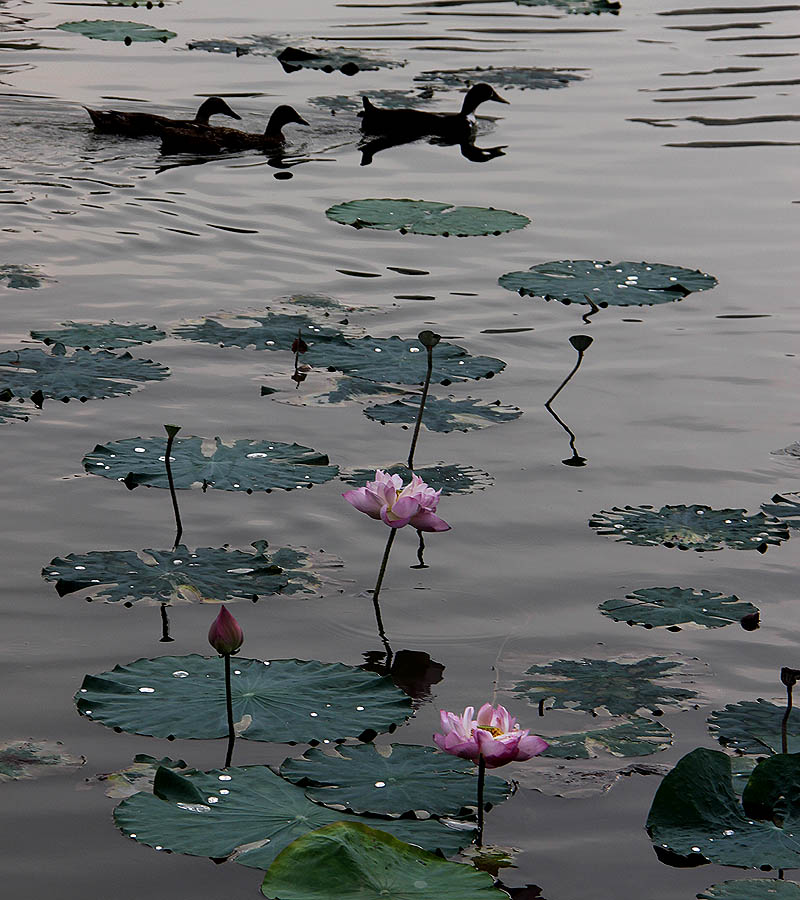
<point>225,634</point>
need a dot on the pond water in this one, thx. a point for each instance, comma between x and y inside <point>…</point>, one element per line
<point>677,144</point>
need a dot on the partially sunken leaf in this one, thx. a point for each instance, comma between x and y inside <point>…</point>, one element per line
<point>694,527</point>
<point>675,606</point>
<point>272,331</point>
<point>21,277</point>
<point>32,759</point>
<point>752,889</point>
<point>502,77</point>
<point>447,478</point>
<point>426,217</point>
<point>606,283</point>
<point>444,413</point>
<point>578,6</point>
<point>239,466</point>
<point>351,861</point>
<point>106,30</point>
<point>579,784</point>
<point>754,726</point>
<point>785,507</point>
<point>391,780</point>
<point>108,335</point>
<point>15,412</point>
<point>386,99</point>
<point>342,59</point>
<point>288,700</point>
<point>250,815</point>
<point>633,737</point>
<point>138,776</point>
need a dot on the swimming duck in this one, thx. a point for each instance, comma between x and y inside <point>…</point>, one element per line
<point>375,120</point>
<point>137,124</point>
<point>192,139</point>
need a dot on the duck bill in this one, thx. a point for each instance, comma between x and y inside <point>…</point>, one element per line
<point>499,99</point>
<point>301,121</point>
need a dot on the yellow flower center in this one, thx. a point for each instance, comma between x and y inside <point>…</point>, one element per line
<point>494,732</point>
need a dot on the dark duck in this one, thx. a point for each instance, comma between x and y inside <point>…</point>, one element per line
<point>140,124</point>
<point>193,139</point>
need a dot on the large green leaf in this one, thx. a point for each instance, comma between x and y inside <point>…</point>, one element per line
<point>351,861</point>
<point>444,413</point>
<point>661,606</point>
<point>21,277</point>
<point>108,335</point>
<point>752,889</point>
<point>619,687</point>
<point>694,527</point>
<point>107,30</point>
<point>82,375</point>
<point>273,331</point>
<point>634,737</point>
<point>410,777</point>
<point>31,759</point>
<point>501,77</point>
<point>249,815</point>
<point>697,815</point>
<point>446,477</point>
<point>754,726</point>
<point>606,283</point>
<point>239,466</point>
<point>426,217</point>
<point>283,700</point>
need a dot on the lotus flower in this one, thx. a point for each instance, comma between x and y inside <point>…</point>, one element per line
<point>493,735</point>
<point>386,499</point>
<point>225,634</point>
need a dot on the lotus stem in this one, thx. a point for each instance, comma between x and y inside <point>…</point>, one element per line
<point>421,564</point>
<point>789,678</point>
<point>229,705</point>
<point>165,638</point>
<point>481,779</point>
<point>172,430</point>
<point>376,594</point>
<point>429,340</point>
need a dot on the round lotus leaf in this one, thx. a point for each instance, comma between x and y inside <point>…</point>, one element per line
<point>106,30</point>
<point>694,527</point>
<point>675,606</point>
<point>752,889</point>
<point>351,861</point>
<point>239,466</point>
<point>634,737</point>
<point>696,814</point>
<point>523,77</point>
<point>282,700</point>
<point>754,726</point>
<point>426,217</point>
<point>108,335</point>
<point>273,331</point>
<point>248,815</point>
<point>620,688</point>
<point>444,414</point>
<point>32,759</point>
<point>785,507</point>
<point>392,780</point>
<point>446,477</point>
<point>606,283</point>
<point>21,277</point>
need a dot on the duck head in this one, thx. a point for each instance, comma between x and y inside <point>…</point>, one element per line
<point>215,106</point>
<point>283,115</point>
<point>477,94</point>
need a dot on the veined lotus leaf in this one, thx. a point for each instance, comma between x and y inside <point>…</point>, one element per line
<point>287,700</point>
<point>31,759</point>
<point>578,6</point>
<point>138,776</point>
<point>351,861</point>
<point>607,284</point>
<point>21,277</point>
<point>14,412</point>
<point>752,889</point>
<point>426,217</point>
<point>252,816</point>
<point>501,77</point>
<point>386,99</point>
<point>107,30</point>
<point>447,478</point>
<point>398,361</point>
<point>82,375</point>
<point>444,413</point>
<point>342,59</point>
<point>108,335</point>
<point>754,726</point>
<point>240,466</point>
<point>273,331</point>
<point>622,688</point>
<point>671,607</point>
<point>368,779</point>
<point>694,527</point>
<point>785,507</point>
<point>634,737</point>
<point>697,815</point>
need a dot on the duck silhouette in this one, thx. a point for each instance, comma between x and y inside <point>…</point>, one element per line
<point>139,124</point>
<point>211,139</point>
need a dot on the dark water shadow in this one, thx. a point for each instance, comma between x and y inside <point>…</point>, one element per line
<point>469,150</point>
<point>581,343</point>
<point>413,671</point>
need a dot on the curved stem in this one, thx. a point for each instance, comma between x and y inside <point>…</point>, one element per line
<point>229,704</point>
<point>422,399</point>
<point>481,779</point>
<point>171,432</point>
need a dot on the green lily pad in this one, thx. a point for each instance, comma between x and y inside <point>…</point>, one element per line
<point>633,737</point>
<point>620,688</point>
<point>31,759</point>
<point>697,815</point>
<point>252,816</point>
<point>108,335</point>
<point>285,700</point>
<point>21,277</point>
<point>671,607</point>
<point>444,414</point>
<point>239,466</point>
<point>138,776</point>
<point>693,527</point>
<point>426,217</point>
<point>273,331</point>
<point>752,889</point>
<point>606,283</point>
<point>446,477</point>
<point>81,375</point>
<point>785,507</point>
<point>391,780</point>
<point>506,77</point>
<point>754,726</point>
<point>106,30</point>
<point>351,861</point>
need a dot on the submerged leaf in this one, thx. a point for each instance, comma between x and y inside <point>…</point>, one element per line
<point>108,335</point>
<point>752,889</point>
<point>785,507</point>
<point>754,726</point>
<point>138,776</point>
<point>501,77</point>
<point>633,737</point>
<point>578,784</point>
<point>671,607</point>
<point>447,478</point>
<point>342,59</point>
<point>444,413</point>
<point>272,331</point>
<point>107,30</point>
<point>21,277</point>
<point>31,759</point>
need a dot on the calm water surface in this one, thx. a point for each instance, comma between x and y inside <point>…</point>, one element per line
<point>678,146</point>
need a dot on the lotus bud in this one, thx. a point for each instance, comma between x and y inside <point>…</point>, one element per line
<point>225,634</point>
<point>789,676</point>
<point>429,339</point>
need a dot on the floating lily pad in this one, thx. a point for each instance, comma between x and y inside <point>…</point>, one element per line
<point>752,889</point>
<point>351,861</point>
<point>606,283</point>
<point>785,507</point>
<point>32,759</point>
<point>108,335</point>
<point>444,414</point>
<point>754,726</point>
<point>634,737</point>
<point>239,466</point>
<point>258,45</point>
<point>341,59</point>
<point>273,331</point>
<point>620,688</point>
<point>697,815</point>
<point>411,777</point>
<point>693,527</point>
<point>106,30</point>
<point>523,77</point>
<point>81,375</point>
<point>21,277</point>
<point>138,776</point>
<point>671,607</point>
<point>426,217</point>
<point>252,816</point>
<point>285,700</point>
<point>447,478</point>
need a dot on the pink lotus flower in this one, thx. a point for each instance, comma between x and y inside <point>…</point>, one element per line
<point>386,499</point>
<point>225,634</point>
<point>494,735</point>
